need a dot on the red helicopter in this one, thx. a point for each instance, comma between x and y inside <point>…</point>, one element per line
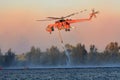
<point>63,23</point>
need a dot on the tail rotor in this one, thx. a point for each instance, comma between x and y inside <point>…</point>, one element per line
<point>94,13</point>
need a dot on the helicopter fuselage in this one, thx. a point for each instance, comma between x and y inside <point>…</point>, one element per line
<point>62,24</point>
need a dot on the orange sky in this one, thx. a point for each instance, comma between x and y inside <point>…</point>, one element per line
<point>20,31</point>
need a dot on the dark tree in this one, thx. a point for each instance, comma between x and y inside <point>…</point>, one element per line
<point>79,55</point>
<point>93,55</point>
<point>33,57</point>
<point>1,58</point>
<point>54,55</point>
<point>9,58</point>
<point>112,53</point>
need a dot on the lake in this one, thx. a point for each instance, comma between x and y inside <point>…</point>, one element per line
<point>98,73</point>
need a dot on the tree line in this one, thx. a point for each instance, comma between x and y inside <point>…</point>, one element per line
<point>54,57</point>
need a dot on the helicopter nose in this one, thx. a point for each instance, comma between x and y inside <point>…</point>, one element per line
<point>49,29</point>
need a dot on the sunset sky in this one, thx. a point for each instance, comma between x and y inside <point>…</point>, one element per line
<point>19,29</point>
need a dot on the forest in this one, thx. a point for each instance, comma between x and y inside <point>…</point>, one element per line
<point>79,56</point>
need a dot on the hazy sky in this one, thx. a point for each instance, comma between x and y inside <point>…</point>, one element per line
<point>20,31</point>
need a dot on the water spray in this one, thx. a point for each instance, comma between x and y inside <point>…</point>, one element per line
<point>64,48</point>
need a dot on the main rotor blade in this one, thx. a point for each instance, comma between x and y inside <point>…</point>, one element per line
<point>44,20</point>
<point>74,13</point>
<point>71,15</point>
<point>53,18</point>
<point>83,10</point>
<point>62,17</point>
<point>96,12</point>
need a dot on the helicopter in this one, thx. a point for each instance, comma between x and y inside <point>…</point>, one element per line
<point>64,24</point>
